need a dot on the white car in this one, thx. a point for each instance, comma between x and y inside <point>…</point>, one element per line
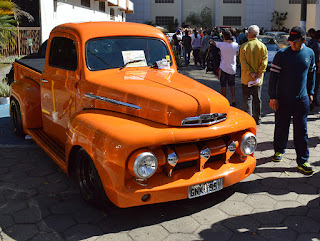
<point>275,35</point>
<point>272,47</point>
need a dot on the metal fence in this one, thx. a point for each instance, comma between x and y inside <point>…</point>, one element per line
<point>28,41</point>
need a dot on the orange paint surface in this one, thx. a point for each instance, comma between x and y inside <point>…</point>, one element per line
<point>113,135</point>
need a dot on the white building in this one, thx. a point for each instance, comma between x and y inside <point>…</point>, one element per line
<point>235,13</point>
<point>55,12</point>
<point>142,12</point>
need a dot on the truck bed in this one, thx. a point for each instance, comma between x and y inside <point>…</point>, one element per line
<point>36,64</point>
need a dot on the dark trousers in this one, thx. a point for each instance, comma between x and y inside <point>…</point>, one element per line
<point>186,55</point>
<point>196,55</point>
<point>299,110</point>
<point>316,100</point>
<point>203,57</point>
<point>251,97</point>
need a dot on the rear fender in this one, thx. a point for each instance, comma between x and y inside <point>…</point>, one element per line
<point>27,92</point>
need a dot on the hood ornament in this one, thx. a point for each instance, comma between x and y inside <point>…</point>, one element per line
<point>205,119</point>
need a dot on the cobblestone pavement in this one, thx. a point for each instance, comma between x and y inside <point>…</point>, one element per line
<point>39,203</point>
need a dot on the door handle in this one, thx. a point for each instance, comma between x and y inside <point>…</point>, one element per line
<point>44,81</point>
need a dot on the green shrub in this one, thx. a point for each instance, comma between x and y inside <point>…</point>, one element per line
<point>4,89</point>
<point>175,53</point>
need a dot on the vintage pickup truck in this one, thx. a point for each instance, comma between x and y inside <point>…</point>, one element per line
<point>108,105</point>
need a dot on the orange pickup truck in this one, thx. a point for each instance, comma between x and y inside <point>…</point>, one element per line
<point>108,105</point>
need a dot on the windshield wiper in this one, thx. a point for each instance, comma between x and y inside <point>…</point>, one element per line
<point>130,62</point>
<point>102,60</point>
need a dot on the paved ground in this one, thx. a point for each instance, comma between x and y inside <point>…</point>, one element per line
<point>38,202</point>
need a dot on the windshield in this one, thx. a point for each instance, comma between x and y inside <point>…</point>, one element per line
<point>267,40</point>
<point>117,52</point>
<point>270,43</point>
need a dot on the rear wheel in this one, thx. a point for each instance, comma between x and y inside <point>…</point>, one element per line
<point>89,181</point>
<point>16,120</point>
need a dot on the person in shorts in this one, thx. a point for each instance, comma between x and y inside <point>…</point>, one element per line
<point>228,65</point>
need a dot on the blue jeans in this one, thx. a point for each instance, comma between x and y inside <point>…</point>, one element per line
<point>316,90</point>
<point>299,110</point>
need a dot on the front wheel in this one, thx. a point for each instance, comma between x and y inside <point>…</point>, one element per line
<point>16,120</point>
<point>89,181</point>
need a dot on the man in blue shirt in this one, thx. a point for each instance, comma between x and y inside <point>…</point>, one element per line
<point>291,89</point>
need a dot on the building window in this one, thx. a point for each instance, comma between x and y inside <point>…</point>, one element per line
<point>85,3</point>
<point>299,1</point>
<point>102,6</point>
<point>164,1</point>
<point>231,21</point>
<point>231,1</point>
<point>112,14</point>
<point>164,20</point>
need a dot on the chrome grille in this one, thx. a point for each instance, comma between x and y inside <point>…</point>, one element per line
<point>205,119</point>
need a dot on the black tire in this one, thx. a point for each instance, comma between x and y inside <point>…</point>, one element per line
<point>89,181</point>
<point>16,120</point>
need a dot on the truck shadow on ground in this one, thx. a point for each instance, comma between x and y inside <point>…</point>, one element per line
<point>38,200</point>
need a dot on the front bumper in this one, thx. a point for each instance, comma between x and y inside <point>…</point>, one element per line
<point>164,189</point>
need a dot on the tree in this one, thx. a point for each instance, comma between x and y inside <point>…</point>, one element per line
<point>7,30</point>
<point>193,19</point>
<point>172,26</point>
<point>278,19</point>
<point>9,16</point>
<point>206,18</point>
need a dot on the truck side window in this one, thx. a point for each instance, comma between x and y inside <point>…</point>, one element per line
<point>63,53</point>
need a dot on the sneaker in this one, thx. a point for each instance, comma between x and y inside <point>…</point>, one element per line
<point>305,168</point>
<point>277,157</point>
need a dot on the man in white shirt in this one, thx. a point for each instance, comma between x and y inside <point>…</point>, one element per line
<point>228,65</point>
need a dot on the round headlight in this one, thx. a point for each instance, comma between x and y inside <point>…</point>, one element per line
<point>145,165</point>
<point>248,144</point>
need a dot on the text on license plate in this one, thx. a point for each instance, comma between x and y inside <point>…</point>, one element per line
<point>205,188</point>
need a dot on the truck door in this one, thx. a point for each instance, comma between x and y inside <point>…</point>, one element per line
<point>59,79</point>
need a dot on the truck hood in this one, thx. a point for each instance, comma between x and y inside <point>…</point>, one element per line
<point>163,96</point>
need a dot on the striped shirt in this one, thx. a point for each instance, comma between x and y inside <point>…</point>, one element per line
<point>292,74</point>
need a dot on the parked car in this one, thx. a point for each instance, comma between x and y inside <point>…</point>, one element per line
<point>108,105</point>
<point>283,41</point>
<point>169,36</point>
<point>275,35</point>
<point>272,47</point>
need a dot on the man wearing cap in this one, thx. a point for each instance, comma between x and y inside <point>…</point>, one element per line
<point>291,89</point>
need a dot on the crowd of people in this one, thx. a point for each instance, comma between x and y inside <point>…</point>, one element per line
<point>294,77</point>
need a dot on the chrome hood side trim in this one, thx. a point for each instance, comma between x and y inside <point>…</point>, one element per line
<point>117,102</point>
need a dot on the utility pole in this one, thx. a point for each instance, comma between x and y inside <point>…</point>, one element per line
<point>303,20</point>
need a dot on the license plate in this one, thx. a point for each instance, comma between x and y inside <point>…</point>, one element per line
<point>205,188</point>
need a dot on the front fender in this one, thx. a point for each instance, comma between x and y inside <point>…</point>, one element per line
<point>110,137</point>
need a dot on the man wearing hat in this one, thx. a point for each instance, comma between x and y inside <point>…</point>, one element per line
<point>291,89</point>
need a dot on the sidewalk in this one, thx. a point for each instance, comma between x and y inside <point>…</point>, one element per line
<point>38,202</point>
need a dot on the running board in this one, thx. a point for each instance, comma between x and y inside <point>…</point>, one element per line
<point>49,146</point>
